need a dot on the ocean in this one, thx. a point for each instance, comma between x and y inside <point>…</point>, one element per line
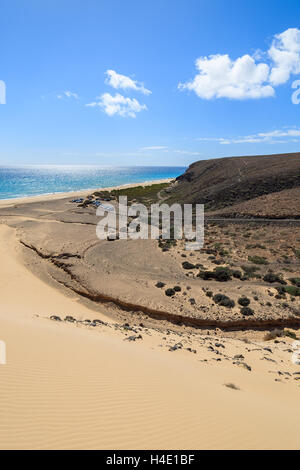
<point>38,180</point>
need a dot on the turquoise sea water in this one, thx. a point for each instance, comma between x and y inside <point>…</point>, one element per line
<point>37,180</point>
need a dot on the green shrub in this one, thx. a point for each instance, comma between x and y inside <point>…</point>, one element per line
<point>290,334</point>
<point>160,285</point>
<point>188,265</point>
<point>257,259</point>
<point>293,290</point>
<point>237,274</point>
<point>244,301</point>
<point>261,247</point>
<point>247,311</point>
<point>170,292</point>
<point>223,300</point>
<point>222,274</point>
<point>272,277</point>
<point>250,270</point>
<point>297,253</point>
<point>140,193</point>
<point>295,281</point>
<point>206,275</point>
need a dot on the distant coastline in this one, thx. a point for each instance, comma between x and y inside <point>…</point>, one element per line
<point>77,193</point>
<point>50,181</point>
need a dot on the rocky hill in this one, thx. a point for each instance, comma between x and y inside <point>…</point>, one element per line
<point>224,182</point>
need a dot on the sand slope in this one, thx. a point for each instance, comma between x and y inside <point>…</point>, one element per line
<point>66,387</point>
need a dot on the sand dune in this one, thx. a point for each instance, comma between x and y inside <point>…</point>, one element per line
<point>66,387</point>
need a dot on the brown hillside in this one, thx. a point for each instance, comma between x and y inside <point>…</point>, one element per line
<point>223,182</point>
<point>282,205</point>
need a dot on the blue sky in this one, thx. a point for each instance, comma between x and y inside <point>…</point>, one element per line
<point>160,82</point>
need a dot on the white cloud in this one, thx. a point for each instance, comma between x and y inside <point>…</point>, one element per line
<point>186,152</point>
<point>277,136</point>
<point>123,82</point>
<point>168,150</point>
<point>285,54</point>
<point>281,133</point>
<point>154,147</point>
<point>68,94</point>
<point>118,105</point>
<point>219,76</point>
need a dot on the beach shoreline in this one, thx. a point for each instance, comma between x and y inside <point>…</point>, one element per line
<point>76,193</point>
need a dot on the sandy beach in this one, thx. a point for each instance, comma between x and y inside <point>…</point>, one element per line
<point>125,380</point>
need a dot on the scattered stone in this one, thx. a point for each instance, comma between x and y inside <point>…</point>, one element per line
<point>232,386</point>
<point>244,365</point>
<point>175,347</point>
<point>70,319</point>
<point>268,359</point>
<point>133,338</point>
<point>99,322</point>
<point>55,318</point>
<point>194,351</point>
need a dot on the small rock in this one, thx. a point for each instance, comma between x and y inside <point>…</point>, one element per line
<point>133,338</point>
<point>70,319</point>
<point>239,356</point>
<point>244,365</point>
<point>175,347</point>
<point>194,351</point>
